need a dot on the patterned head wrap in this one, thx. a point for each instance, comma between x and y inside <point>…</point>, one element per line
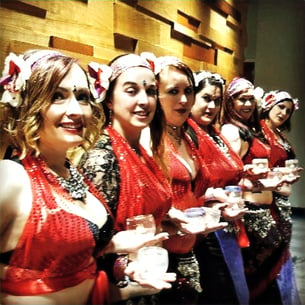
<point>128,61</point>
<point>208,75</point>
<point>164,61</point>
<point>273,97</point>
<point>238,85</point>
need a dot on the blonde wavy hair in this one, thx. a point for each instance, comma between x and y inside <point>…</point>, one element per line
<point>22,124</point>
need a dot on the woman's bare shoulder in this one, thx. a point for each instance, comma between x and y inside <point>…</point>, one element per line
<point>230,131</point>
<point>15,187</point>
<point>11,173</point>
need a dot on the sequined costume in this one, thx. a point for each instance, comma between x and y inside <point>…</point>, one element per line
<point>267,259</point>
<point>131,182</point>
<point>141,188</point>
<point>282,150</point>
<point>56,248</point>
<point>219,255</point>
<point>187,192</point>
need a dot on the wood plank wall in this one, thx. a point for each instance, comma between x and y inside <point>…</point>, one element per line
<point>206,34</point>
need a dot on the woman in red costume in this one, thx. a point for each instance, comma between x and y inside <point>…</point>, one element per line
<point>54,222</point>
<point>277,108</point>
<point>188,173</point>
<point>264,257</point>
<point>119,166</point>
<point>219,255</point>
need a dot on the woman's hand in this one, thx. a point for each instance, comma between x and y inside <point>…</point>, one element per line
<point>252,172</point>
<point>157,282</point>
<point>215,195</point>
<point>231,214</point>
<point>127,241</point>
<point>204,228</point>
<point>178,223</point>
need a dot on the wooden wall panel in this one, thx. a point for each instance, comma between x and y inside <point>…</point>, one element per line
<point>162,9</point>
<point>205,34</point>
<point>135,24</point>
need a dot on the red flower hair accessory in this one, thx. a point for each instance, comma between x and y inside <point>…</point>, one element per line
<point>15,74</point>
<point>101,75</point>
<point>273,97</point>
<point>151,58</point>
<point>17,71</point>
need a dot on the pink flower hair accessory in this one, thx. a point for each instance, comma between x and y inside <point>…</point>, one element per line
<point>14,76</point>
<point>99,76</point>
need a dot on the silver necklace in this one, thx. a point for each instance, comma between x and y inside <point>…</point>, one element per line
<point>74,184</point>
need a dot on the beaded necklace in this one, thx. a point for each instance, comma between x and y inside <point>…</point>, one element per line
<point>50,184</point>
<point>55,246</point>
<point>74,185</point>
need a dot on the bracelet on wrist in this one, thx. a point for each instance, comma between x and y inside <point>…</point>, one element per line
<point>119,267</point>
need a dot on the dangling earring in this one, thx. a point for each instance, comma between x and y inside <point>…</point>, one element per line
<point>110,118</point>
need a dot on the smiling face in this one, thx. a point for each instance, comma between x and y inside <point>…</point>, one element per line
<point>280,113</point>
<point>64,120</point>
<point>207,105</point>
<point>134,100</point>
<point>176,95</point>
<point>244,104</point>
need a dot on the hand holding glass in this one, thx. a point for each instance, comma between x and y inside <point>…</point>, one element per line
<point>200,218</point>
<point>235,199</point>
<point>141,224</point>
<point>260,164</point>
<point>292,165</point>
<point>152,262</point>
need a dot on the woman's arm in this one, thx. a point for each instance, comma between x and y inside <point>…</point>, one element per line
<point>231,133</point>
<point>15,202</point>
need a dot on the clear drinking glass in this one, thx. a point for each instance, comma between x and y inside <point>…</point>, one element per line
<point>235,199</point>
<point>196,217</point>
<point>141,224</point>
<point>260,163</point>
<point>152,261</point>
<point>200,217</point>
<point>292,165</point>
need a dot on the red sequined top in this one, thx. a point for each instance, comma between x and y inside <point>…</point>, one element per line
<point>279,151</point>
<point>187,192</point>
<point>219,157</point>
<point>144,188</point>
<point>257,149</point>
<point>55,250</point>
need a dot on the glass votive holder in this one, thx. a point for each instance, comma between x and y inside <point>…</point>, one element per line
<point>152,261</point>
<point>292,165</point>
<point>196,217</point>
<point>212,215</point>
<point>235,199</point>
<point>260,163</point>
<point>141,224</point>
<point>275,174</point>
